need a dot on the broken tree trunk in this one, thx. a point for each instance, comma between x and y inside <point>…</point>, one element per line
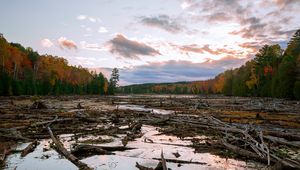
<point>104,148</point>
<point>181,161</point>
<point>29,148</point>
<point>60,148</point>
<point>89,150</point>
<point>283,141</point>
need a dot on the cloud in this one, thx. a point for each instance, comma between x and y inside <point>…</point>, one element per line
<point>129,48</point>
<point>102,30</point>
<point>65,43</point>
<point>163,22</point>
<point>254,46</point>
<point>286,3</point>
<point>88,18</point>
<point>105,71</point>
<point>81,17</point>
<point>174,71</point>
<point>46,43</point>
<point>218,17</point>
<point>194,48</point>
<point>91,46</point>
<point>185,4</point>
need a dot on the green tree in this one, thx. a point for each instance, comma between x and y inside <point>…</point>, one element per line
<point>113,81</point>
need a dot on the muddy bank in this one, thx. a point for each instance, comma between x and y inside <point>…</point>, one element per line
<point>193,132</point>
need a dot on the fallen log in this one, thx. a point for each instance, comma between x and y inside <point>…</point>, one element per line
<point>240,151</point>
<point>38,105</point>
<point>163,161</point>
<point>104,148</point>
<point>29,148</point>
<point>181,161</point>
<point>283,141</point>
<point>51,121</point>
<point>89,150</point>
<point>60,148</point>
<point>141,167</point>
<point>3,155</point>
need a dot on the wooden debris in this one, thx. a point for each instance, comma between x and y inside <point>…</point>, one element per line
<point>38,105</point>
<point>176,154</point>
<point>60,148</point>
<point>79,106</point>
<point>29,148</point>
<point>163,161</point>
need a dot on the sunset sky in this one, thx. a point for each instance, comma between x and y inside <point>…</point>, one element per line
<point>151,40</point>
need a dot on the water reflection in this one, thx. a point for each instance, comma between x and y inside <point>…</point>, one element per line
<point>45,158</point>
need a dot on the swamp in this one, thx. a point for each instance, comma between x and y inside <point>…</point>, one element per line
<point>149,132</point>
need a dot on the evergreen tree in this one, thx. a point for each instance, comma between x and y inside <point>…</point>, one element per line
<point>113,81</point>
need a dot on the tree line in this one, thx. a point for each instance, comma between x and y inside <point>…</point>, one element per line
<point>274,72</point>
<point>25,72</point>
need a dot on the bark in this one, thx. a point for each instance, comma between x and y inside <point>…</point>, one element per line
<point>60,148</point>
<point>29,148</point>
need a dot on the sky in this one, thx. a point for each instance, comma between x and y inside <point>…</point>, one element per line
<point>151,40</point>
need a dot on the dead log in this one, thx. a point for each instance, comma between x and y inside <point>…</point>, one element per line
<point>51,121</point>
<point>60,148</point>
<point>163,161</point>
<point>3,155</point>
<point>286,162</point>
<point>89,150</point>
<point>29,148</point>
<point>141,167</point>
<point>12,134</point>
<point>103,148</point>
<point>38,105</point>
<point>158,166</point>
<point>182,161</point>
<point>240,151</point>
<point>283,141</point>
<point>79,106</point>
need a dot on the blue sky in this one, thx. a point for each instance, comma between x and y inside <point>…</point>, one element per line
<point>151,40</point>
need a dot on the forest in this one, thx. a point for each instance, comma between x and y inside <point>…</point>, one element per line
<point>273,72</point>
<point>25,72</point>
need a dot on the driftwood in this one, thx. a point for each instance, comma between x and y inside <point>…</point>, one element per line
<point>29,148</point>
<point>163,161</point>
<point>60,148</point>
<point>283,141</point>
<point>79,106</point>
<point>51,121</point>
<point>89,150</point>
<point>3,155</point>
<point>12,134</point>
<point>38,105</point>
<point>181,161</point>
<point>162,165</point>
<point>100,148</point>
<point>240,151</point>
<point>141,167</point>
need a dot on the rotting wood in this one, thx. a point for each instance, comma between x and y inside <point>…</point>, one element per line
<point>181,161</point>
<point>283,141</point>
<point>29,148</point>
<point>163,161</point>
<point>60,148</point>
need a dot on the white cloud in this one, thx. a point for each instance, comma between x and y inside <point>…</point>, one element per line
<point>81,17</point>
<point>92,19</point>
<point>88,18</point>
<point>46,43</point>
<point>91,46</point>
<point>185,5</point>
<point>102,30</point>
